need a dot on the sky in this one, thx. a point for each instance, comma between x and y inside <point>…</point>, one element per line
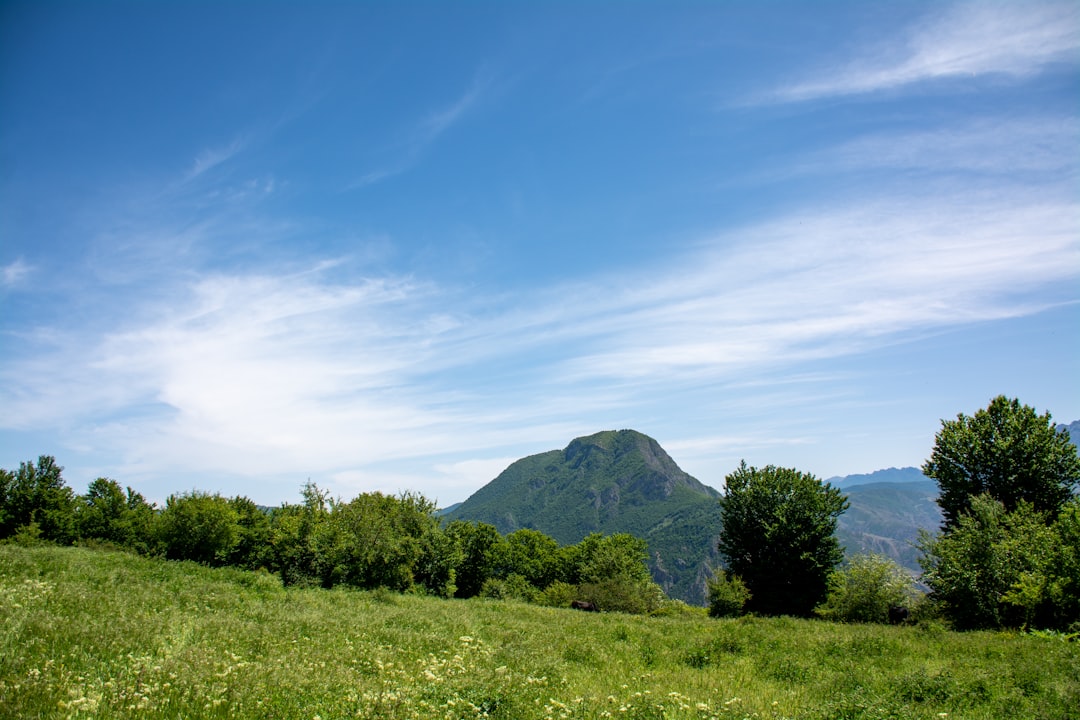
<point>397,246</point>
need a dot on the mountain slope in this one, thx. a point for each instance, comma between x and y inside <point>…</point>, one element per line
<point>886,517</point>
<point>613,481</point>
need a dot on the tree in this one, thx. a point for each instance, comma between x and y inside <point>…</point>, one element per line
<point>478,545</point>
<point>778,536</point>
<point>866,589</point>
<point>613,573</point>
<point>199,526</point>
<point>727,595</point>
<point>37,494</point>
<point>105,512</point>
<point>1008,452</point>
<point>996,568</point>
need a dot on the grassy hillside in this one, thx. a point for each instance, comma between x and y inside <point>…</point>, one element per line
<point>613,481</point>
<point>101,634</point>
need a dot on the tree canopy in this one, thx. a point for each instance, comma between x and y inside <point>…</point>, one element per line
<point>1006,451</point>
<point>779,537</point>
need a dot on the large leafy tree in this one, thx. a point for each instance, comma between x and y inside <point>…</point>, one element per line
<point>199,526</point>
<point>779,537</point>
<point>996,568</point>
<point>37,494</point>
<point>106,512</point>
<point>1006,451</point>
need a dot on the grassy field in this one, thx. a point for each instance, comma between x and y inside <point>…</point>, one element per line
<point>107,634</point>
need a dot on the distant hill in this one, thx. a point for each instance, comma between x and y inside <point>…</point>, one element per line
<point>889,475</point>
<point>885,518</point>
<point>613,481</point>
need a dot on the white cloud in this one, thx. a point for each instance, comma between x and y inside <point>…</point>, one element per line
<point>210,158</point>
<point>14,273</point>
<point>965,39</point>
<point>424,134</point>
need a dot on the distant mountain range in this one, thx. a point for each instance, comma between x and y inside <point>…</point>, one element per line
<point>623,481</point>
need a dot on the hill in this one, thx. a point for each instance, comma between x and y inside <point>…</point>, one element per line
<point>885,518</point>
<point>610,482</point>
<point>107,634</point>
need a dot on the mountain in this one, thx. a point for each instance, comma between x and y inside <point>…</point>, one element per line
<point>1073,429</point>
<point>889,475</point>
<point>885,518</point>
<point>610,482</point>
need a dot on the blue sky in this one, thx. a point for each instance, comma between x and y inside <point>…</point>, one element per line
<point>388,246</point>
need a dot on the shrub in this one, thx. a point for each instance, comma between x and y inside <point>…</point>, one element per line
<point>620,594</point>
<point>865,589</point>
<point>514,587</point>
<point>728,595</point>
<point>198,526</point>
<point>558,594</point>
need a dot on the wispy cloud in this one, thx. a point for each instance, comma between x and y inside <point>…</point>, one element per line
<point>14,273</point>
<point>964,39</point>
<point>210,158</point>
<point>425,133</point>
<point>302,373</point>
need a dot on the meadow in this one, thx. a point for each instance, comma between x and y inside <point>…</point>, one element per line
<point>107,634</point>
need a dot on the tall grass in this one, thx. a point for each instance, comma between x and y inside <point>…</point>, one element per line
<point>105,634</point>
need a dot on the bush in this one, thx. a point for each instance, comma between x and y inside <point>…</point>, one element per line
<point>621,594</point>
<point>558,594</point>
<point>728,595</point>
<point>865,589</point>
<point>199,526</point>
<point>514,587</point>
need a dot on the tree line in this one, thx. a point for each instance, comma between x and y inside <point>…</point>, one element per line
<point>1007,555</point>
<point>372,541</point>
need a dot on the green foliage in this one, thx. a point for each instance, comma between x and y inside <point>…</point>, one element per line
<point>865,589</point>
<point>107,513</point>
<point>375,540</point>
<point>728,595</point>
<point>779,537</point>
<point>512,587</point>
<point>997,568</point>
<point>198,526</point>
<point>253,534</point>
<point>528,553</point>
<point>479,545</point>
<point>558,594</point>
<point>37,494</point>
<point>1007,452</point>
<point>623,594</point>
<point>113,635</point>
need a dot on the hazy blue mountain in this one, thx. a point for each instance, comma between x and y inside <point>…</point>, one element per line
<point>889,475</point>
<point>885,518</point>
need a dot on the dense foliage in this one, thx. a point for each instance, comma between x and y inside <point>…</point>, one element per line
<point>1009,552</point>
<point>1006,451</point>
<point>372,541</point>
<point>997,568</point>
<point>865,590</point>
<point>779,537</point>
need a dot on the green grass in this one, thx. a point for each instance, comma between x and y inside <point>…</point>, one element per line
<point>110,635</point>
